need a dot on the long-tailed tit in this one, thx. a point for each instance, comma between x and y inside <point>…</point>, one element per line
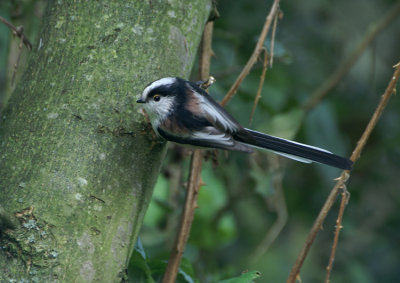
<point>181,111</point>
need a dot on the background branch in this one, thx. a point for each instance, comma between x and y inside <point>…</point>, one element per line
<point>253,58</point>
<point>194,182</point>
<point>372,32</point>
<point>260,85</point>
<point>18,31</point>
<point>343,203</point>
<point>343,177</point>
<point>193,188</point>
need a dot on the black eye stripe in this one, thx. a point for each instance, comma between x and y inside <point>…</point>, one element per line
<point>161,90</point>
<point>157,93</point>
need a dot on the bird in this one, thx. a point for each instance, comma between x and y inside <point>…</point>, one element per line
<point>182,111</point>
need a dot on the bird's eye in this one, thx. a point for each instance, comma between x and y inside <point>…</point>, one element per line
<point>156,97</point>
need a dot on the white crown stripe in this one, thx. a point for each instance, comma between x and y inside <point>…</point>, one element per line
<point>155,84</point>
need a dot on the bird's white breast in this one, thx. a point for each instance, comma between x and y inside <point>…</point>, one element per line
<point>159,110</point>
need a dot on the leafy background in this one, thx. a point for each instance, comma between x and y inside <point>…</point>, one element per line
<point>238,205</point>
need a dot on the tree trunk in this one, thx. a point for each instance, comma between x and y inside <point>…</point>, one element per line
<point>78,161</point>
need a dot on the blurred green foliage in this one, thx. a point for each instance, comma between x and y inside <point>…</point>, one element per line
<point>238,205</point>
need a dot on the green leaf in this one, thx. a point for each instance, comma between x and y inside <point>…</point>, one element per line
<point>186,276</point>
<point>186,270</point>
<point>247,277</point>
<point>139,271</point>
<point>139,248</point>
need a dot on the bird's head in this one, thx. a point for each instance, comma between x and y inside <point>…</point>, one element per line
<point>159,98</point>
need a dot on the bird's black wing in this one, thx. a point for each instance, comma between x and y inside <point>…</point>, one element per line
<point>217,116</point>
<point>209,137</point>
<point>226,127</point>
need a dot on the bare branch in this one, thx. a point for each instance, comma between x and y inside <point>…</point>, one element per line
<point>194,182</point>
<point>372,32</point>
<point>260,86</point>
<point>186,219</point>
<point>271,59</point>
<point>391,89</point>
<point>206,51</point>
<point>344,176</point>
<point>253,58</point>
<point>18,31</point>
<point>343,203</point>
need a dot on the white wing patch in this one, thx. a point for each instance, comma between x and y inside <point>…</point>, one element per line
<point>216,115</point>
<point>215,138</point>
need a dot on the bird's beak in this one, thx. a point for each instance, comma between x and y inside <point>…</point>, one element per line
<point>140,100</point>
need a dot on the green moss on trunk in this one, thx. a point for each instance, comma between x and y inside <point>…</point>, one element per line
<point>77,163</point>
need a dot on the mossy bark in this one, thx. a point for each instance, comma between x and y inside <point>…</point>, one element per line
<point>78,162</point>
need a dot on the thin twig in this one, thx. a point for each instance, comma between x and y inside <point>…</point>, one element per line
<point>372,32</point>
<point>314,230</point>
<point>271,59</point>
<point>206,51</point>
<point>317,96</point>
<point>253,58</point>
<point>187,218</point>
<point>194,182</point>
<point>343,177</point>
<point>260,85</point>
<point>18,31</point>
<point>343,203</point>
<point>391,89</point>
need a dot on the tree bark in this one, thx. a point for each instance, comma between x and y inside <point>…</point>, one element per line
<point>77,159</point>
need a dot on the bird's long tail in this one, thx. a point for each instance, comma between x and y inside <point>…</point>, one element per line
<point>298,151</point>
